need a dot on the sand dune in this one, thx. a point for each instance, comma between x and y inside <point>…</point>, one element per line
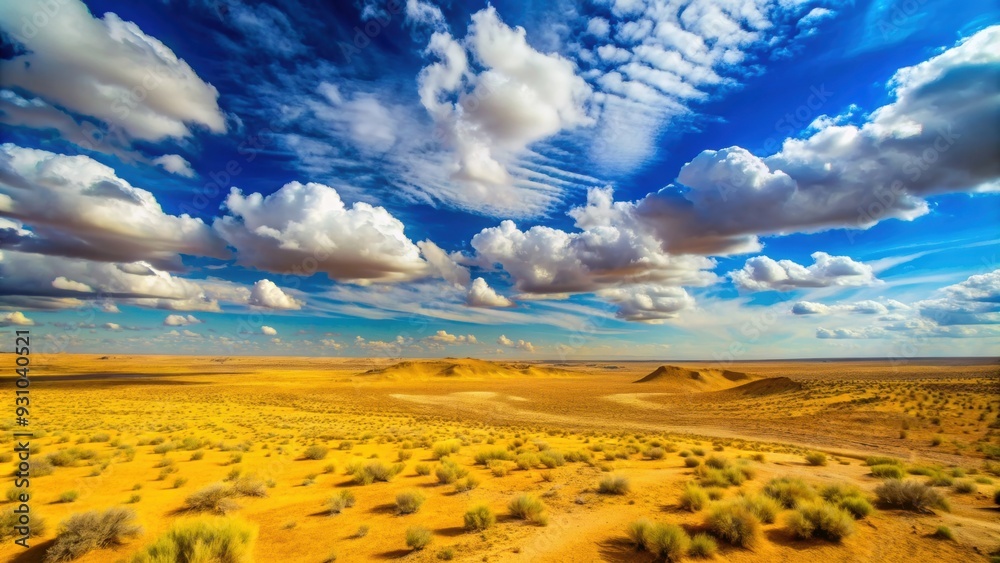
<point>683,380</point>
<point>465,368</point>
<point>767,386</point>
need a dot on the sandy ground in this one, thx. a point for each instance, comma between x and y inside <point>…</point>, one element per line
<point>258,415</point>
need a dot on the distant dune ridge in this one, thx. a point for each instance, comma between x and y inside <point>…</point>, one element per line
<point>684,380</point>
<point>467,368</point>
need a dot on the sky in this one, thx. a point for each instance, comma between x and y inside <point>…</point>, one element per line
<point>612,179</point>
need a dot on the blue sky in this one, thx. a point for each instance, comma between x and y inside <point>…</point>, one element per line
<point>609,179</point>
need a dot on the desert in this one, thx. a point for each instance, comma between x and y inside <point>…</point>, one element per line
<point>318,459</point>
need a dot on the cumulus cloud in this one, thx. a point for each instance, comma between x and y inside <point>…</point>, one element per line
<point>74,206</point>
<point>972,302</point>
<point>265,294</point>
<point>175,164</point>
<point>15,318</point>
<point>267,330</point>
<point>647,303</point>
<point>305,228</point>
<point>931,139</point>
<point>181,320</point>
<point>480,294</point>
<point>851,333</point>
<point>491,96</point>
<point>520,344</point>
<point>763,274</point>
<point>30,280</point>
<point>866,307</point>
<point>109,69</point>
<point>609,250</point>
<point>112,326</point>
<point>443,337</point>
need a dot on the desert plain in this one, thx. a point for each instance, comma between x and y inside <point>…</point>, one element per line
<point>333,459</point>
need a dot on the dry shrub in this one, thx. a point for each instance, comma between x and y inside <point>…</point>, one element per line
<point>86,531</point>
<point>206,539</point>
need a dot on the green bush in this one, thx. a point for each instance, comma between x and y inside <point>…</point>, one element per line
<point>485,456</point>
<point>702,545</point>
<point>691,462</point>
<point>820,519</point>
<point>408,502</point>
<point>613,485</point>
<point>86,531</point>
<point>418,537</point>
<point>765,508</point>
<point>528,507</point>
<point>816,458</point>
<point>215,498</point>
<point>667,542</point>
<point>69,496</point>
<point>858,507</point>
<point>789,491</point>
<point>693,498</point>
<point>449,472</point>
<point>374,470</point>
<point>205,539</point>
<point>964,487</point>
<point>14,494</point>
<point>883,460</point>
<point>716,462</point>
<point>734,523</point>
<point>886,471</point>
<point>422,469</point>
<point>654,453</point>
<point>467,484</point>
<point>338,502</point>
<point>316,452</point>
<point>636,532</point>
<point>910,495</point>
<point>446,448</point>
<point>479,518</point>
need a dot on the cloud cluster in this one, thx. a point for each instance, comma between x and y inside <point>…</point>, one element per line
<point>181,320</point>
<point>931,139</point>
<point>77,207</point>
<point>480,294</point>
<point>761,273</point>
<point>652,61</point>
<point>492,95</point>
<point>106,68</point>
<point>266,295</point>
<point>519,345</point>
<point>306,228</point>
<point>443,337</point>
<point>15,318</point>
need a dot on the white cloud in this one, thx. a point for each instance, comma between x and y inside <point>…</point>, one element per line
<point>648,303</point>
<point>112,326</point>
<point>75,206</point>
<point>598,27</point>
<point>331,343</point>
<point>763,274</point>
<point>815,16</point>
<point>425,13</point>
<point>850,333</point>
<point>971,302</point>
<point>181,320</point>
<point>928,141</point>
<point>29,279</point>
<point>109,69</point>
<point>267,330</point>
<point>175,164</point>
<point>306,228</point>
<point>443,337</point>
<point>15,318</point>
<point>611,249</point>
<point>480,294</point>
<point>267,295</point>
<point>520,344</point>
<point>491,96</point>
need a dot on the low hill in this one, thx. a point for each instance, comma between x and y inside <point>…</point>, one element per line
<point>768,386</point>
<point>684,380</point>
<point>466,368</point>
